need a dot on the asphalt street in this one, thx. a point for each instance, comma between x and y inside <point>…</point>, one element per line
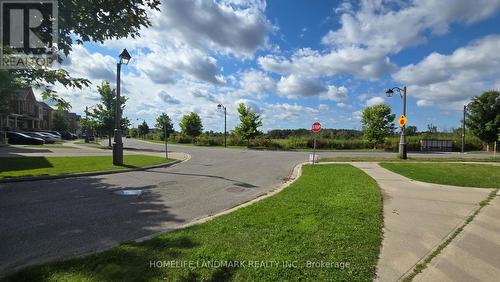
<point>53,219</point>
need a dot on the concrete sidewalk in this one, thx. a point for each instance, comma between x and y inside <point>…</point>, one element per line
<point>474,255</point>
<point>417,218</point>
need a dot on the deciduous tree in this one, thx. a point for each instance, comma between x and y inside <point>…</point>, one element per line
<point>483,116</point>
<point>377,123</point>
<point>163,121</point>
<point>191,125</point>
<point>249,123</point>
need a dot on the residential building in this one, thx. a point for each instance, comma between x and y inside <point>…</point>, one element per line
<point>26,113</point>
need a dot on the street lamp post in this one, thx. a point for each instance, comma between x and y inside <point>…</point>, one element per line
<point>403,147</point>
<point>118,143</point>
<point>220,106</point>
<point>463,128</point>
<point>165,136</point>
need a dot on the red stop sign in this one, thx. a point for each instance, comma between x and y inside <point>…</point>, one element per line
<point>316,127</point>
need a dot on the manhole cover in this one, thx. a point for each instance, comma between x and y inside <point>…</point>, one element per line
<point>235,189</point>
<point>129,192</point>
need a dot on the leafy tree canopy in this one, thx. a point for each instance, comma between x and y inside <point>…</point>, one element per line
<point>104,112</point>
<point>249,123</point>
<point>483,116</point>
<point>163,121</point>
<point>377,123</point>
<point>191,125</point>
<point>81,21</point>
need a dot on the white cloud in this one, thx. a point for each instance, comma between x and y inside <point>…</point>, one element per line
<point>168,65</point>
<point>294,86</point>
<point>323,107</point>
<point>167,98</point>
<point>375,101</point>
<point>367,37</point>
<point>357,115</point>
<point>381,25</point>
<point>238,27</point>
<point>90,65</point>
<point>256,83</point>
<point>335,93</point>
<point>351,60</point>
<point>343,105</point>
<point>453,78</point>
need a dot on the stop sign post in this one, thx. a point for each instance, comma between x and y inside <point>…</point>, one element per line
<point>316,127</point>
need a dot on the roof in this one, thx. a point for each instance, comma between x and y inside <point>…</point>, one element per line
<point>23,93</point>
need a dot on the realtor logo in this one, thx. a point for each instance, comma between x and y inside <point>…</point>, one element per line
<point>28,33</point>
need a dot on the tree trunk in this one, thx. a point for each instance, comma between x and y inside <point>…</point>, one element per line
<point>109,139</point>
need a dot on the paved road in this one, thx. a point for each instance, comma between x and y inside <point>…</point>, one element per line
<point>51,219</point>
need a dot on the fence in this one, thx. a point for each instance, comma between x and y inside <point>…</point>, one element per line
<point>436,145</point>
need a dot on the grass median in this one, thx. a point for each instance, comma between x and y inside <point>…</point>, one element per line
<point>468,175</point>
<point>325,226</point>
<point>14,167</point>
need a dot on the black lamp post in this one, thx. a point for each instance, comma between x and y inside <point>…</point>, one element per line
<point>220,106</point>
<point>463,127</point>
<point>118,143</point>
<point>403,147</point>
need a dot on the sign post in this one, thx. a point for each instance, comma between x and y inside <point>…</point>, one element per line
<point>316,127</point>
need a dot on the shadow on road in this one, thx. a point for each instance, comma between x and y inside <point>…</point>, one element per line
<point>235,182</point>
<point>54,219</point>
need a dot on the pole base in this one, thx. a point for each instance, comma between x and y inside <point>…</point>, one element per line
<point>118,154</point>
<point>403,151</point>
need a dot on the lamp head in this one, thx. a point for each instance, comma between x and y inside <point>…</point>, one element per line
<point>219,106</point>
<point>389,93</point>
<point>125,57</point>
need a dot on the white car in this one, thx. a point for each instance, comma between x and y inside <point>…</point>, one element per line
<point>57,137</point>
<point>48,139</point>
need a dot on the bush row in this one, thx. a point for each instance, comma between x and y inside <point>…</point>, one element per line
<point>390,143</point>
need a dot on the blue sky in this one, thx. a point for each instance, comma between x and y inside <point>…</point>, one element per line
<point>296,62</point>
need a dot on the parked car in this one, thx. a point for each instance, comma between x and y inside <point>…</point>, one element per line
<point>47,138</point>
<point>49,133</point>
<point>66,135</point>
<point>17,138</point>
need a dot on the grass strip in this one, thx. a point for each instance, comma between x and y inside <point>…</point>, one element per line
<point>11,167</point>
<point>466,175</point>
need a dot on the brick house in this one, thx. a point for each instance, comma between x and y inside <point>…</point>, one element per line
<point>26,113</point>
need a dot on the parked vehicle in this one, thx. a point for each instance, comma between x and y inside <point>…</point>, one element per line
<point>50,131</point>
<point>66,135</point>
<point>17,138</point>
<point>56,136</point>
<point>48,139</point>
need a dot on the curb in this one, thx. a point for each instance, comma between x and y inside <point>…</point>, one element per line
<point>50,177</point>
<point>295,174</point>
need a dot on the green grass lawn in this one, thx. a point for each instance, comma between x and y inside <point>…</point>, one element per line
<point>470,175</point>
<point>36,166</point>
<point>50,146</point>
<point>332,214</point>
